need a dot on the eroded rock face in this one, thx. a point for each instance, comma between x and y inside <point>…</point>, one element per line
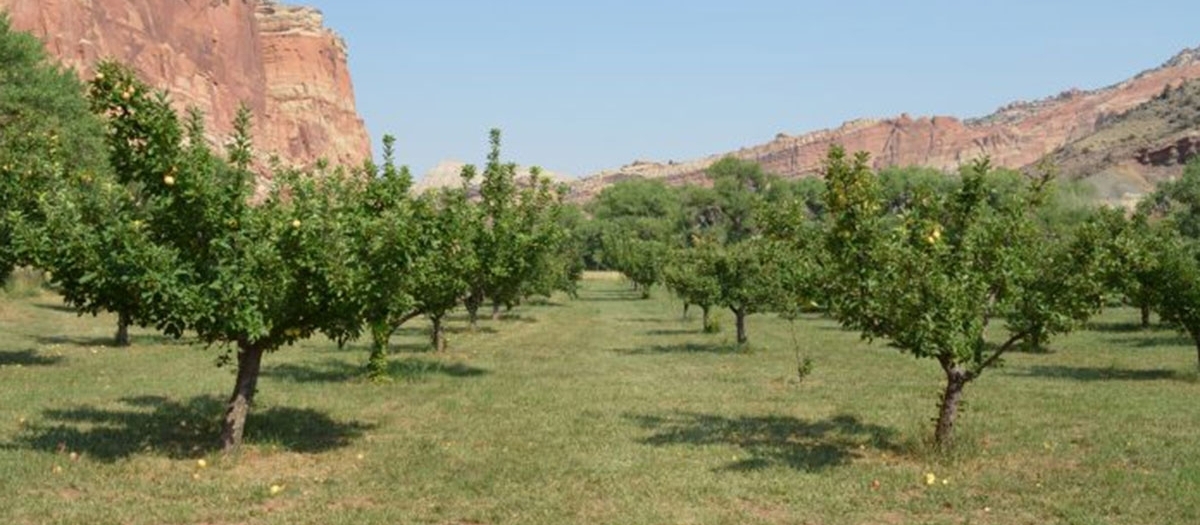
<point>1016,136</point>
<point>217,54</point>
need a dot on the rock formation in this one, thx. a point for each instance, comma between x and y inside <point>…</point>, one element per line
<point>217,54</point>
<point>1016,136</point>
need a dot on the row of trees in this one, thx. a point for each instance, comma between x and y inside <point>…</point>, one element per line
<point>959,270</point>
<point>129,210</point>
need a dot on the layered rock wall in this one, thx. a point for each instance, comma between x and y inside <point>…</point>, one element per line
<point>217,54</point>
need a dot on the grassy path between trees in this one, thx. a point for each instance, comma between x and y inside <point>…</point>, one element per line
<point>604,409</point>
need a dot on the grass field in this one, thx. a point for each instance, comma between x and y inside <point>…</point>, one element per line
<point>604,410</point>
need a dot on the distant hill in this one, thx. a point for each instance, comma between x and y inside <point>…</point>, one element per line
<point>448,174</point>
<point>1017,135</point>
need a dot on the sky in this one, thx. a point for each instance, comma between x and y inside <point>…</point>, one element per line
<point>578,87</point>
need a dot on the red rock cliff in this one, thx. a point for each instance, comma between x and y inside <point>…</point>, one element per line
<point>216,54</point>
<point>1015,136</point>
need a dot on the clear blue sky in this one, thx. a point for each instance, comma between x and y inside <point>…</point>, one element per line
<point>583,86</point>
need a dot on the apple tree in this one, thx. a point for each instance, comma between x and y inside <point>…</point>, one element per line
<point>930,277</point>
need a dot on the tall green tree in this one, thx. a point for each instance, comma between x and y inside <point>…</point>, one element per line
<point>516,232</point>
<point>386,240</point>
<point>48,137</point>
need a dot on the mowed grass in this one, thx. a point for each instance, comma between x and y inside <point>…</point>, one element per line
<point>600,410</point>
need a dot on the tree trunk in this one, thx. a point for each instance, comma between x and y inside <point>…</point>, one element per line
<point>377,364</point>
<point>437,334</point>
<point>473,302</point>
<point>234,422</point>
<point>708,326</point>
<point>740,315</point>
<point>1145,316</point>
<point>1196,338</point>
<point>956,379</point>
<point>685,310</point>
<point>122,337</point>
<point>495,310</point>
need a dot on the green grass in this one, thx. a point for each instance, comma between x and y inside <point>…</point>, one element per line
<point>605,409</point>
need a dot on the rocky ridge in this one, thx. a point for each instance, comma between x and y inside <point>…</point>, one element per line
<point>1017,135</point>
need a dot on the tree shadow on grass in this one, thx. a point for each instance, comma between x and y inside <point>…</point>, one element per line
<point>333,371</point>
<point>683,348</point>
<point>1081,373</point>
<point>1153,340</point>
<point>110,341</point>
<point>465,329</point>
<point>56,307</point>
<point>677,331</point>
<point>1123,327</point>
<point>770,440</point>
<point>27,358</point>
<point>180,429</point>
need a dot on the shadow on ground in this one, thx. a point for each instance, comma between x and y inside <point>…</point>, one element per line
<point>109,341</point>
<point>1118,326</point>
<point>1084,373</point>
<point>334,370</point>
<point>677,331</point>
<point>27,358</point>
<point>1155,339</point>
<point>683,348</point>
<point>770,440</point>
<point>56,307</point>
<point>179,429</point>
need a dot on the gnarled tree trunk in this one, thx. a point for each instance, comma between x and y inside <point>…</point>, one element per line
<point>956,379</point>
<point>234,423</point>
<point>1145,308</point>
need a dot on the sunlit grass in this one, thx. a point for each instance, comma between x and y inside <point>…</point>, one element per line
<point>605,409</point>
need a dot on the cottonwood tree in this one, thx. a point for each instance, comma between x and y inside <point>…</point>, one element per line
<point>930,278</point>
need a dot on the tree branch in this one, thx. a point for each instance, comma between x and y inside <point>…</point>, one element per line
<point>1008,345</point>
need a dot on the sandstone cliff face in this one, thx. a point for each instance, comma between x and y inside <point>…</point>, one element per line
<point>215,55</point>
<point>1016,136</point>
